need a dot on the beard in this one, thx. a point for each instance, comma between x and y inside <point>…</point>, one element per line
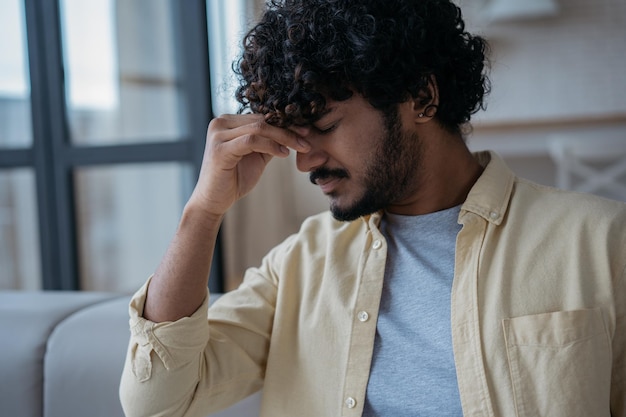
<point>392,169</point>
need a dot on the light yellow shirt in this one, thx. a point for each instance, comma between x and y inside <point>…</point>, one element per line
<point>538,316</point>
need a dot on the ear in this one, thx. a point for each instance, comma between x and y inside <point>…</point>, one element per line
<point>426,103</point>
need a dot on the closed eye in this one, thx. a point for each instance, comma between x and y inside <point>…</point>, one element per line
<point>326,130</point>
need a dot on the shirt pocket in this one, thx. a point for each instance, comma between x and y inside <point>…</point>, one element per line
<point>560,364</point>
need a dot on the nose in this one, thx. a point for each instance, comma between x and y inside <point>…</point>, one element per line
<point>307,162</point>
<point>316,157</point>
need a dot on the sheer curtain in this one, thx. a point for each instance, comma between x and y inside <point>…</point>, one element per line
<point>284,197</point>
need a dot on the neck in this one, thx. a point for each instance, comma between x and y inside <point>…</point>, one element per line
<point>447,172</point>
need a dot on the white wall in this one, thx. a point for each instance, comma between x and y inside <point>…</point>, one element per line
<point>569,65</point>
<point>563,75</point>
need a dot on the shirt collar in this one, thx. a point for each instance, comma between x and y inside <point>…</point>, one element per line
<point>490,195</point>
<point>373,220</point>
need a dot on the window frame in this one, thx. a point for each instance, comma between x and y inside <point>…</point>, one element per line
<point>54,158</point>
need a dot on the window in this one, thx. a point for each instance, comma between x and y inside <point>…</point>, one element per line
<point>103,113</point>
<point>20,265</point>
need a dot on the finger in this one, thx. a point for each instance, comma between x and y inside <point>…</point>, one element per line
<point>280,135</point>
<point>233,126</point>
<point>231,121</point>
<point>250,143</point>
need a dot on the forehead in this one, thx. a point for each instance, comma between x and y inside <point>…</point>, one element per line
<point>356,109</point>
<point>327,112</point>
<point>356,103</point>
<point>355,113</point>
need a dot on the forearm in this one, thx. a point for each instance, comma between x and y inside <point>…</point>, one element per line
<point>238,149</point>
<point>180,282</point>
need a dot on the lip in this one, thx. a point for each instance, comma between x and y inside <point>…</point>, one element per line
<point>328,185</point>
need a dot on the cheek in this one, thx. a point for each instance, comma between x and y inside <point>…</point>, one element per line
<point>354,161</point>
<point>359,151</point>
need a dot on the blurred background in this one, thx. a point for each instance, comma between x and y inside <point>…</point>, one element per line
<point>104,106</point>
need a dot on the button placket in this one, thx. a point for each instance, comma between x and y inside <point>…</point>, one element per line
<point>363,322</point>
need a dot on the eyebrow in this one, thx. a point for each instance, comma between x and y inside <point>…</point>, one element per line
<point>326,113</point>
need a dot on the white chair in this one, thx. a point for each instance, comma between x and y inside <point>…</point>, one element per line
<point>590,165</point>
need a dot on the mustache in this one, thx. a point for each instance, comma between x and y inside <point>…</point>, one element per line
<point>325,173</point>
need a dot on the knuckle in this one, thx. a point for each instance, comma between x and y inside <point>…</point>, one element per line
<point>259,125</point>
<point>248,138</point>
<point>218,122</point>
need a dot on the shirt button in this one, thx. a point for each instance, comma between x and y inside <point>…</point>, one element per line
<point>494,215</point>
<point>350,402</point>
<point>377,244</point>
<point>363,316</point>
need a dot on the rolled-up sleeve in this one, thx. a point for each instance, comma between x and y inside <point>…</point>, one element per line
<point>161,369</point>
<point>201,363</point>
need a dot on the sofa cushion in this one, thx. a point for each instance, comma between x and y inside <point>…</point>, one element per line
<point>26,320</point>
<point>84,363</point>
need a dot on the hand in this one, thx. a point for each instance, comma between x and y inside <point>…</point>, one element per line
<point>238,148</point>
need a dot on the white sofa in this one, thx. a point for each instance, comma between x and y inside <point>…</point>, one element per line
<point>62,353</point>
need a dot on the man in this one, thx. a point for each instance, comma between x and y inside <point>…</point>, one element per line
<point>438,285</point>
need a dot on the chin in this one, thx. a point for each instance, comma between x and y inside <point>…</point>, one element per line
<point>352,212</point>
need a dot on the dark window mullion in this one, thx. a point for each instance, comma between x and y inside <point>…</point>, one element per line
<point>16,158</point>
<point>123,154</point>
<point>194,55</point>
<point>67,278</point>
<point>46,207</point>
<point>53,168</point>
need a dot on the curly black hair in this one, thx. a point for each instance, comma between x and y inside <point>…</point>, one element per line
<point>303,52</point>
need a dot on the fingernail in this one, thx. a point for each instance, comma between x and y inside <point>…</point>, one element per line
<point>284,150</point>
<point>304,144</point>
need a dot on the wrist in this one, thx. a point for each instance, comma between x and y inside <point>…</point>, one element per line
<point>198,215</point>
